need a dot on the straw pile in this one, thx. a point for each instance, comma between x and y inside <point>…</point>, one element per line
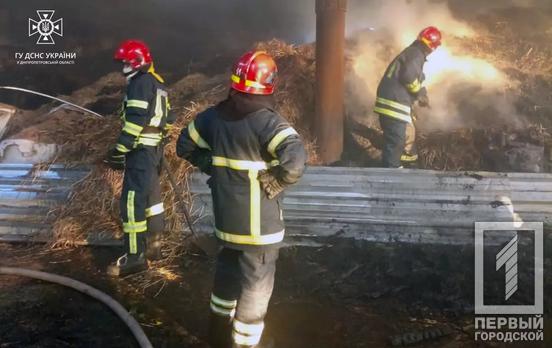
<point>296,86</point>
<point>484,140</point>
<point>93,204</point>
<point>461,149</point>
<point>525,57</point>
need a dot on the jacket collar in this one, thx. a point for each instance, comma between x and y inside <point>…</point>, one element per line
<point>239,105</point>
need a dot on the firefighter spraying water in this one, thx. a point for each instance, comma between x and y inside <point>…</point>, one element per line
<point>400,87</point>
<point>450,74</point>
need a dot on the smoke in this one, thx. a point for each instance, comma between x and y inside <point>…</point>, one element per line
<point>471,8</point>
<point>463,91</point>
<point>188,36</point>
<point>185,36</point>
<point>402,19</point>
<point>467,92</point>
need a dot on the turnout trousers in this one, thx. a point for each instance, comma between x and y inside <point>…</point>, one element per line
<point>244,281</point>
<point>141,204</point>
<point>394,138</point>
<point>410,153</point>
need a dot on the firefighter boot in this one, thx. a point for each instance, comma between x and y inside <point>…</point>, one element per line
<point>409,161</point>
<point>128,264</point>
<point>134,260</point>
<point>220,331</point>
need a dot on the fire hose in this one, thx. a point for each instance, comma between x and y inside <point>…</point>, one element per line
<point>107,300</point>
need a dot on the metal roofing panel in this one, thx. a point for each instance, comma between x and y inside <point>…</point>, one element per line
<point>401,204</point>
<point>28,193</point>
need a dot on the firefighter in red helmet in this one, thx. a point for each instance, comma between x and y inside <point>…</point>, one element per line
<point>399,89</point>
<point>251,154</point>
<point>146,118</point>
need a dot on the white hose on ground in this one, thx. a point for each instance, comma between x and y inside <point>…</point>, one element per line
<point>125,316</point>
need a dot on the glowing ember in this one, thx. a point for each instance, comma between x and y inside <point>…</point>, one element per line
<point>167,273</point>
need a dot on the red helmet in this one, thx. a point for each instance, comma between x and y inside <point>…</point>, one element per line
<point>255,73</point>
<point>431,36</point>
<point>133,52</point>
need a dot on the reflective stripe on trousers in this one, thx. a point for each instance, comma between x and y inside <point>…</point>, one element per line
<point>247,334</point>
<point>223,307</point>
<point>410,151</point>
<point>132,226</point>
<point>141,206</point>
<point>244,281</point>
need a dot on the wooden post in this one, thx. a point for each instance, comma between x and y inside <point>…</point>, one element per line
<point>330,69</point>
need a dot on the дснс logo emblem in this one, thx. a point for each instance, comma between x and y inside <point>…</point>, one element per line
<point>45,27</point>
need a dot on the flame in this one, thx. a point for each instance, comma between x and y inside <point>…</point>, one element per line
<point>444,67</point>
<point>442,63</point>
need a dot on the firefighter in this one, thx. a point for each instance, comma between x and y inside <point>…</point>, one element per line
<point>399,89</point>
<point>146,119</point>
<point>252,154</point>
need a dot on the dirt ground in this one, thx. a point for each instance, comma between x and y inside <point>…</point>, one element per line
<point>321,299</point>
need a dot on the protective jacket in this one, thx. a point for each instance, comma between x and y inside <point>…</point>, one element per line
<point>145,113</point>
<point>401,85</point>
<point>245,136</point>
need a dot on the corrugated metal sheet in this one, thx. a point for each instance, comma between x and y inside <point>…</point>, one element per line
<point>367,203</point>
<point>27,195</point>
<point>402,205</point>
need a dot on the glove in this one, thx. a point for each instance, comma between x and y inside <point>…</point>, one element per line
<point>115,159</point>
<point>270,183</point>
<point>423,99</point>
<point>203,159</point>
<point>167,139</point>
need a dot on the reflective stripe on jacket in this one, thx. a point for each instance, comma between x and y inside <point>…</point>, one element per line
<point>244,216</point>
<point>145,113</point>
<point>402,83</point>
